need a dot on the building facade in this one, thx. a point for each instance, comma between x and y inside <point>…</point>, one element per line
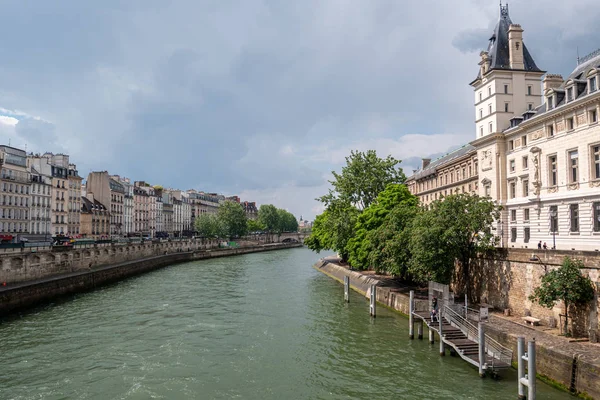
<point>95,219</point>
<point>127,203</point>
<point>110,193</point>
<point>41,203</point>
<point>74,205</point>
<point>16,186</point>
<point>536,147</point>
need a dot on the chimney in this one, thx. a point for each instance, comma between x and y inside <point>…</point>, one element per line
<point>425,162</point>
<point>552,81</point>
<point>485,62</point>
<point>515,44</point>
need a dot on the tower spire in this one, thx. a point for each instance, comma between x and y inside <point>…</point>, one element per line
<point>503,10</point>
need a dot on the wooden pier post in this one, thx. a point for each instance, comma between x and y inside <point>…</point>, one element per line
<point>347,289</point>
<point>521,366</point>
<point>411,309</point>
<point>431,334</point>
<point>442,349</point>
<point>420,329</point>
<point>481,350</point>
<point>372,306</point>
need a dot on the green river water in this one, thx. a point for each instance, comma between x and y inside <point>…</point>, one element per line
<point>259,326</point>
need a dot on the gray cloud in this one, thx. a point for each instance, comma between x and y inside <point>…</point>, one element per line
<point>261,98</point>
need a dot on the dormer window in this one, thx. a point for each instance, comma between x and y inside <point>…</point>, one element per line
<point>570,94</point>
<point>550,102</point>
<point>593,86</point>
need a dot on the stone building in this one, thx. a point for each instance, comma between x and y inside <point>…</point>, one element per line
<point>127,203</point>
<point>95,219</point>
<point>250,209</point>
<point>39,211</point>
<point>16,186</point>
<point>141,210</point>
<point>108,192</point>
<point>536,150</point>
<point>74,205</point>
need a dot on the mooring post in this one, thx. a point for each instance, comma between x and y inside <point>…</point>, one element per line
<point>420,329</point>
<point>431,334</point>
<point>411,308</point>
<point>442,349</point>
<point>466,307</point>
<point>521,366</point>
<point>373,300</point>
<point>347,289</point>
<point>481,350</point>
<point>531,372</point>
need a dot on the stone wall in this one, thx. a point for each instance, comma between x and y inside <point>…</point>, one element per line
<point>23,295</point>
<point>26,264</point>
<point>507,279</point>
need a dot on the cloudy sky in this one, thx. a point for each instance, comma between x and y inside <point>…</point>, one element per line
<point>259,98</point>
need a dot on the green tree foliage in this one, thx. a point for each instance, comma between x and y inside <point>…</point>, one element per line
<point>360,245</point>
<point>287,221</point>
<point>233,218</point>
<point>564,284</point>
<point>459,227</point>
<point>269,217</point>
<point>255,226</point>
<point>209,225</point>
<point>333,229</point>
<point>363,178</point>
<point>390,243</point>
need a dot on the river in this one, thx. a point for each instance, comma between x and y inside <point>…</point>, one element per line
<point>258,326</point>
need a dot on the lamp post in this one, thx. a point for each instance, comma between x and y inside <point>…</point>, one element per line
<point>553,226</point>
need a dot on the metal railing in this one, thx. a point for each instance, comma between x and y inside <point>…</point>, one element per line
<point>492,347</point>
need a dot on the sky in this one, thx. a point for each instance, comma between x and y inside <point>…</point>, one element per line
<point>258,98</point>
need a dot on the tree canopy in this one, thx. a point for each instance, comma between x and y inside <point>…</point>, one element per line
<point>209,225</point>
<point>565,284</point>
<point>233,218</point>
<point>268,217</point>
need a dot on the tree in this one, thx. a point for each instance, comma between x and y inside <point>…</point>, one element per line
<point>233,218</point>
<point>360,246</point>
<point>333,229</point>
<point>209,225</point>
<point>363,178</point>
<point>269,217</point>
<point>255,226</point>
<point>286,221</point>
<point>564,284</point>
<point>459,227</point>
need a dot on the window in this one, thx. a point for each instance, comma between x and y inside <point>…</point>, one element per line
<point>524,140</point>
<point>513,215</point>
<point>530,106</point>
<point>554,220</point>
<point>491,127</point>
<point>505,89</point>
<point>570,94</point>
<point>513,189</point>
<point>573,166</point>
<point>481,131</point>
<point>489,90</point>
<point>525,162</point>
<point>596,162</point>
<point>488,190</point>
<point>550,129</point>
<point>505,107</point>
<point>593,116</point>
<point>596,207</point>
<point>592,84</point>
<point>526,214</point>
<point>574,213</point>
<point>529,90</point>
<point>552,170</point>
<point>513,234</point>
<point>570,124</point>
<point>550,103</point>
<point>480,113</point>
<point>525,187</point>
<point>526,234</point>
<point>489,108</point>
<point>480,96</point>
<point>512,165</point>
<point>511,145</point>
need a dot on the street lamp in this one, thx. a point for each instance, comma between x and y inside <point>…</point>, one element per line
<point>553,226</point>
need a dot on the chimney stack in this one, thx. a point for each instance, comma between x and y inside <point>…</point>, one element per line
<point>552,81</point>
<point>515,44</point>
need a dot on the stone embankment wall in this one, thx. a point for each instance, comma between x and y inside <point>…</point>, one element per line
<point>554,359</point>
<point>506,281</point>
<point>23,295</point>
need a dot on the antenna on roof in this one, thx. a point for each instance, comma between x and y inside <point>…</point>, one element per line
<point>577,55</point>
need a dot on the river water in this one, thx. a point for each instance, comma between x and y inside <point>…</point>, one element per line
<point>259,326</point>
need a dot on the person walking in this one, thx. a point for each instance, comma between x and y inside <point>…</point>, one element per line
<point>545,246</point>
<point>540,245</point>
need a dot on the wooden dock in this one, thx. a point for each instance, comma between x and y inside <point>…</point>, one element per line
<point>455,338</point>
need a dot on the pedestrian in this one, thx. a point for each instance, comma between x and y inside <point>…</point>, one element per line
<point>540,245</point>
<point>434,310</point>
<point>545,246</point>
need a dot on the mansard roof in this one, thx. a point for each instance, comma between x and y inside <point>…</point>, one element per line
<point>498,48</point>
<point>443,161</point>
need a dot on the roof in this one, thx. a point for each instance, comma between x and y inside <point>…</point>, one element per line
<point>432,168</point>
<point>498,46</point>
<point>87,206</point>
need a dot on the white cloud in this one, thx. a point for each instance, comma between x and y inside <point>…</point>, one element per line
<point>8,120</point>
